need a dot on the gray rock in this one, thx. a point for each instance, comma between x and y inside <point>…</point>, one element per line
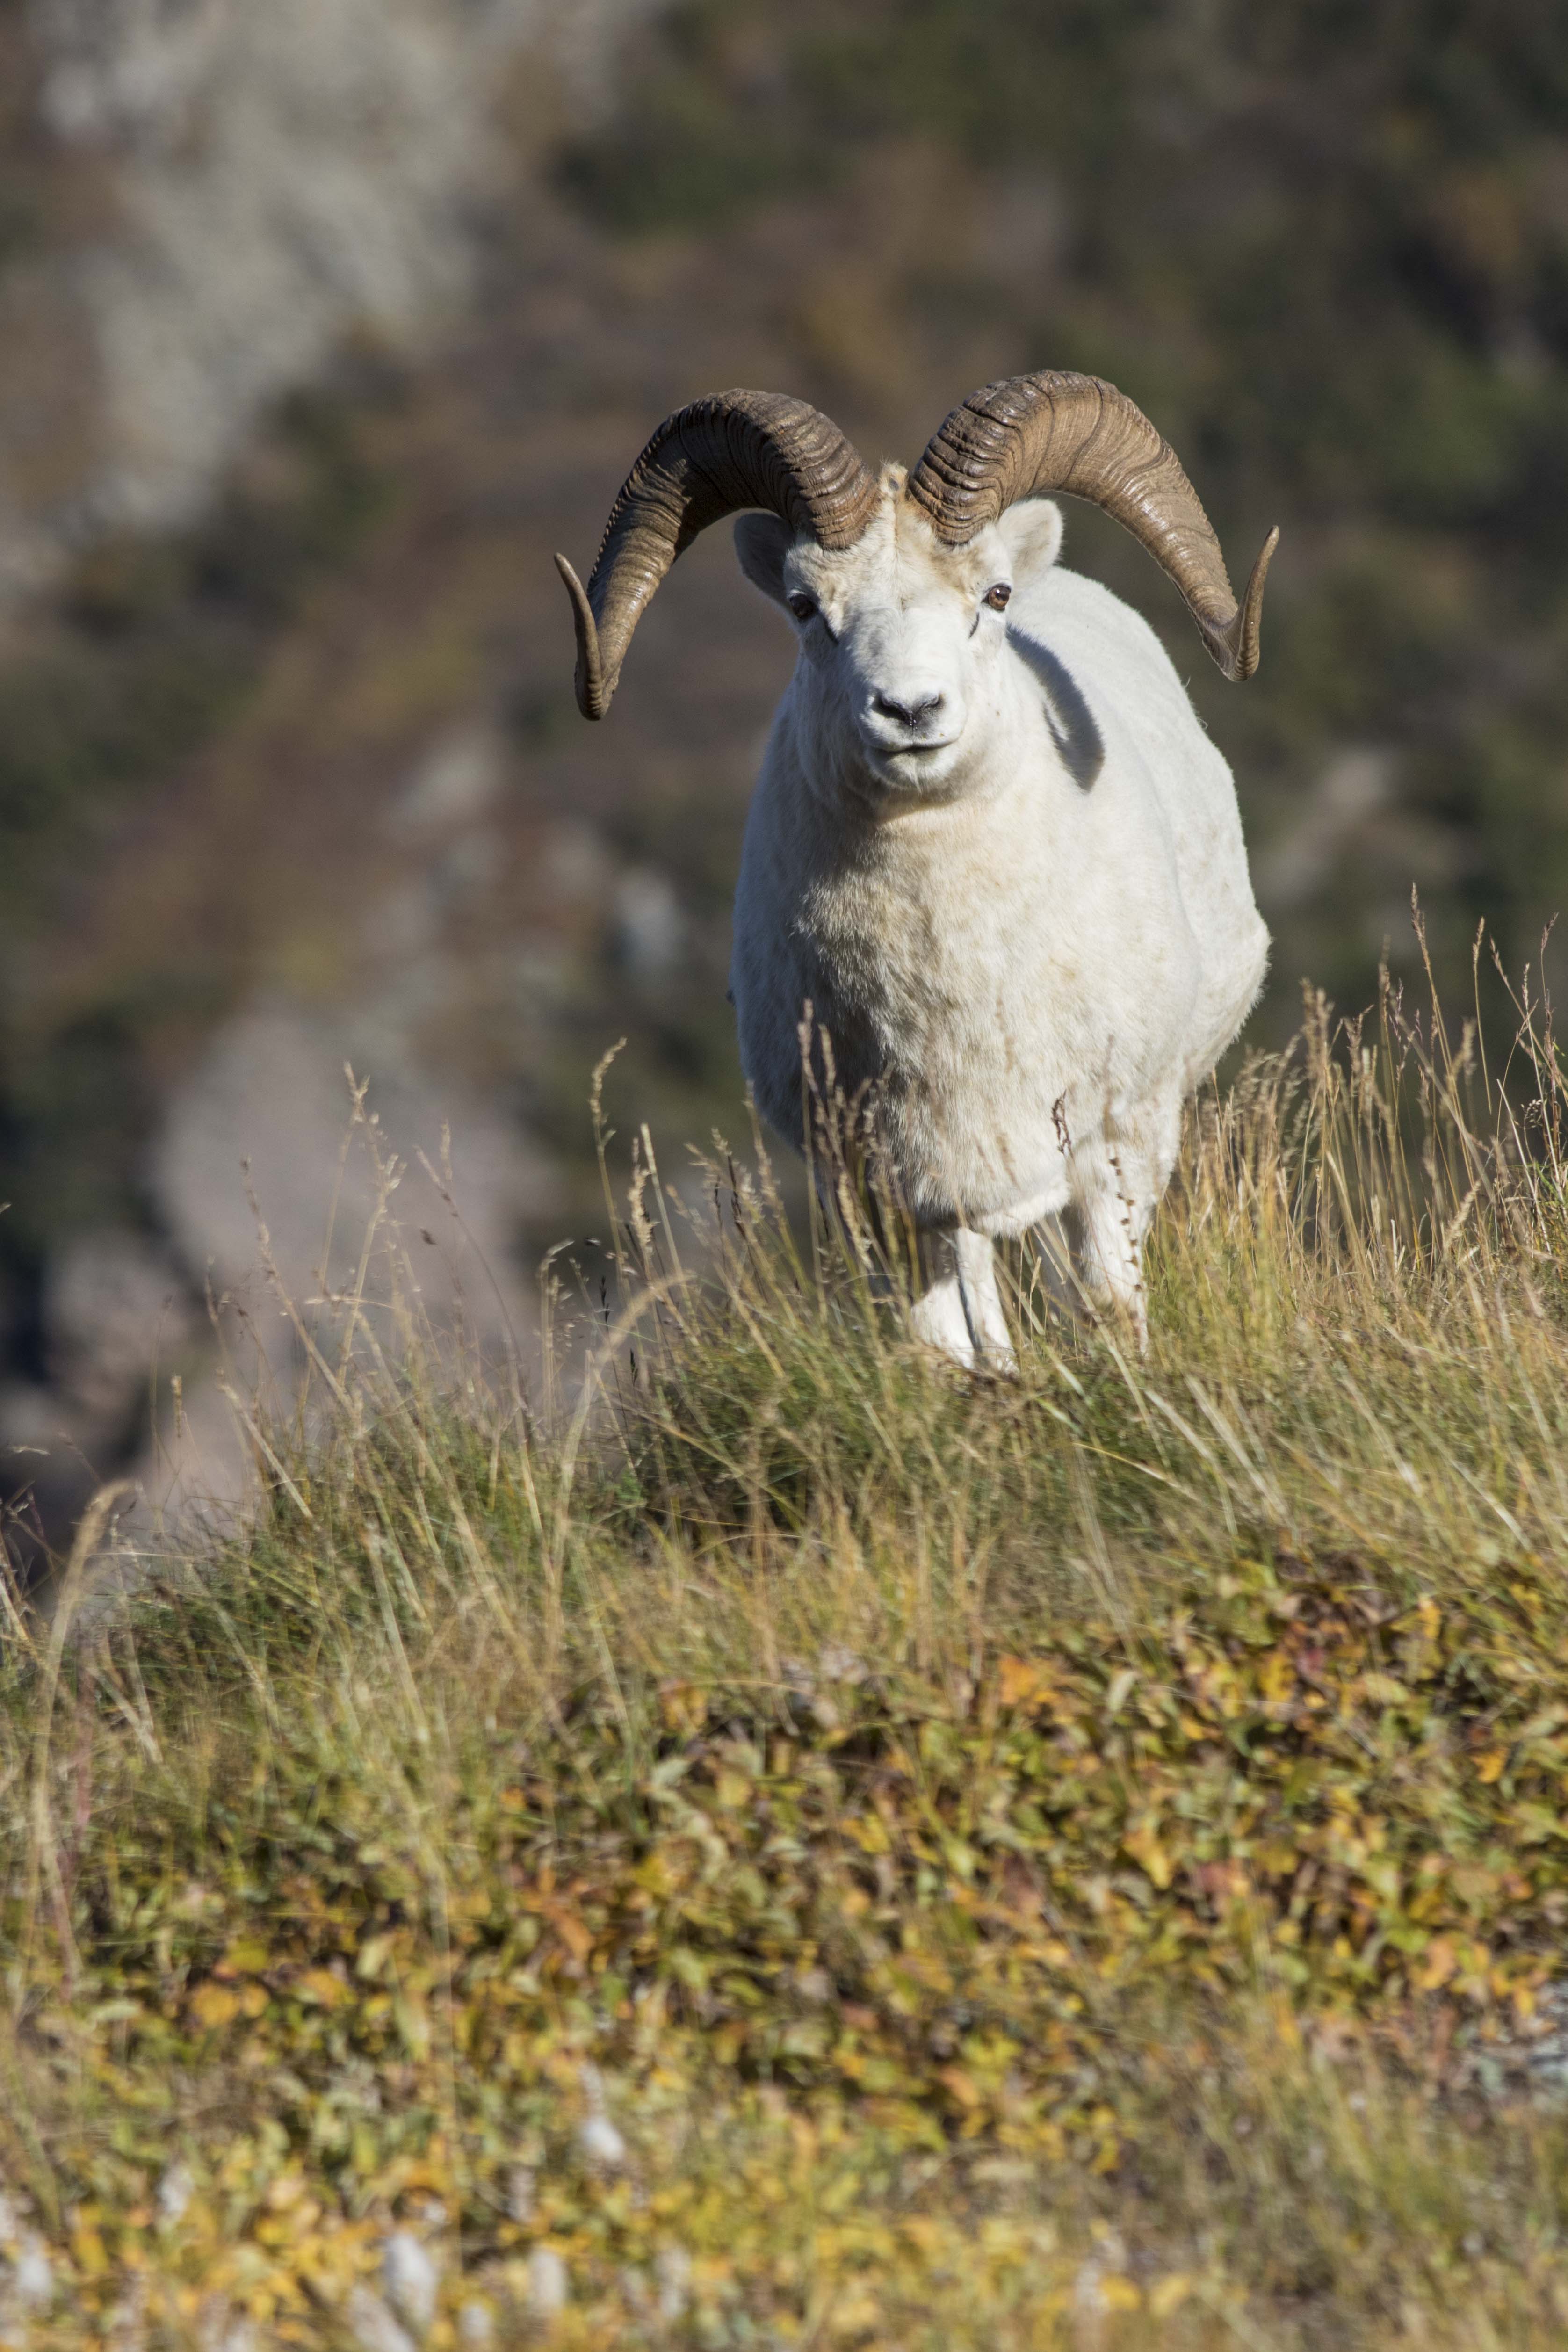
<point>458,779</point>
<point>283,176</point>
<point>1354,789</point>
<point>271,1187</point>
<point>114,1305</point>
<point>650,930</point>
<point>268,1114</point>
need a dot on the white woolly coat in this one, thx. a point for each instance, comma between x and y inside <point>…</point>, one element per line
<point>1035,972</point>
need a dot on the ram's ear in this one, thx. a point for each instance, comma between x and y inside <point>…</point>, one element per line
<point>1032,529</point>
<point>762,543</point>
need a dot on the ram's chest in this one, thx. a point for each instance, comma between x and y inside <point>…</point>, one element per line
<point>930,970</point>
<point>961,993</point>
<point>939,988</point>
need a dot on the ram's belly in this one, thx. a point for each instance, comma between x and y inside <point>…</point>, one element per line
<point>977,1135</point>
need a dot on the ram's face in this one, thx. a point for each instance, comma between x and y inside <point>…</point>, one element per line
<point>905,638</point>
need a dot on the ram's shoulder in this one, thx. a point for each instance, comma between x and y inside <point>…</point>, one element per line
<point>1128,681</point>
<point>1087,624</point>
<point>1073,611</point>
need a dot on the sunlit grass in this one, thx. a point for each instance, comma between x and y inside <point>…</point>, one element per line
<point>1074,1860</point>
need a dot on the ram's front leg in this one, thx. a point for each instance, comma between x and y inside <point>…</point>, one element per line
<point>959,1309</point>
<point>1107,1231</point>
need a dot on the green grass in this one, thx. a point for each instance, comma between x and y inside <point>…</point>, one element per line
<point>1075,1860</point>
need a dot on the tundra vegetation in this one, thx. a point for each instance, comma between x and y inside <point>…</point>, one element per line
<point>804,1845</point>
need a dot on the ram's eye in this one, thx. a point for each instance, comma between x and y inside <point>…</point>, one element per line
<point>996,597</point>
<point>801,605</point>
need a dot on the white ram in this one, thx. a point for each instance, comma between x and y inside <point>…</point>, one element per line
<point>991,846</point>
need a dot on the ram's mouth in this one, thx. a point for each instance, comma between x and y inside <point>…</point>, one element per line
<point>887,750</point>
<point>911,767</point>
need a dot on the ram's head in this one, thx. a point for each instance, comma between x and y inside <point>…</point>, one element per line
<point>896,583</point>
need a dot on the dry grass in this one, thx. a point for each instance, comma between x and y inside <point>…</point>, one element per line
<point>1078,1860</point>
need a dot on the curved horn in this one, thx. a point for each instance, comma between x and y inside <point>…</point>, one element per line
<point>1056,431</point>
<point>732,450</point>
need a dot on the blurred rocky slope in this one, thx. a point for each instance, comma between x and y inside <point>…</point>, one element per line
<point>239,186</point>
<point>329,321</point>
<point>209,206</point>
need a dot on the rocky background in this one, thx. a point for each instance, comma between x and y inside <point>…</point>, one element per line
<point>325,322</point>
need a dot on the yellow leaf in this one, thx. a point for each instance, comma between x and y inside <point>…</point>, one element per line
<point>1489,1767</point>
<point>321,1984</point>
<point>852,2312</point>
<point>579,1942</point>
<point>421,2175</point>
<point>961,2085</point>
<point>1146,1851</point>
<point>1018,1681</point>
<point>212,2005</point>
<point>413,2024</point>
<point>88,2250</point>
<point>1168,2294</point>
<point>1119,2293</point>
<point>289,2229</point>
<point>1440,1963</point>
<point>245,1957</point>
<point>1277,1676</point>
<point>682,1705</point>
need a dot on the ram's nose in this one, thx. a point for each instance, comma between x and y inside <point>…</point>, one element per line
<point>915,716</point>
<point>910,719</point>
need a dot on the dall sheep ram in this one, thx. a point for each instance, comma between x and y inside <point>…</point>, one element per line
<point>991,846</point>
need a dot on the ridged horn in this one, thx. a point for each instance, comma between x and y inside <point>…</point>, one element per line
<point>714,458</point>
<point>1034,434</point>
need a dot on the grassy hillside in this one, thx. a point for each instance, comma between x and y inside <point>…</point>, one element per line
<point>801,1847</point>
